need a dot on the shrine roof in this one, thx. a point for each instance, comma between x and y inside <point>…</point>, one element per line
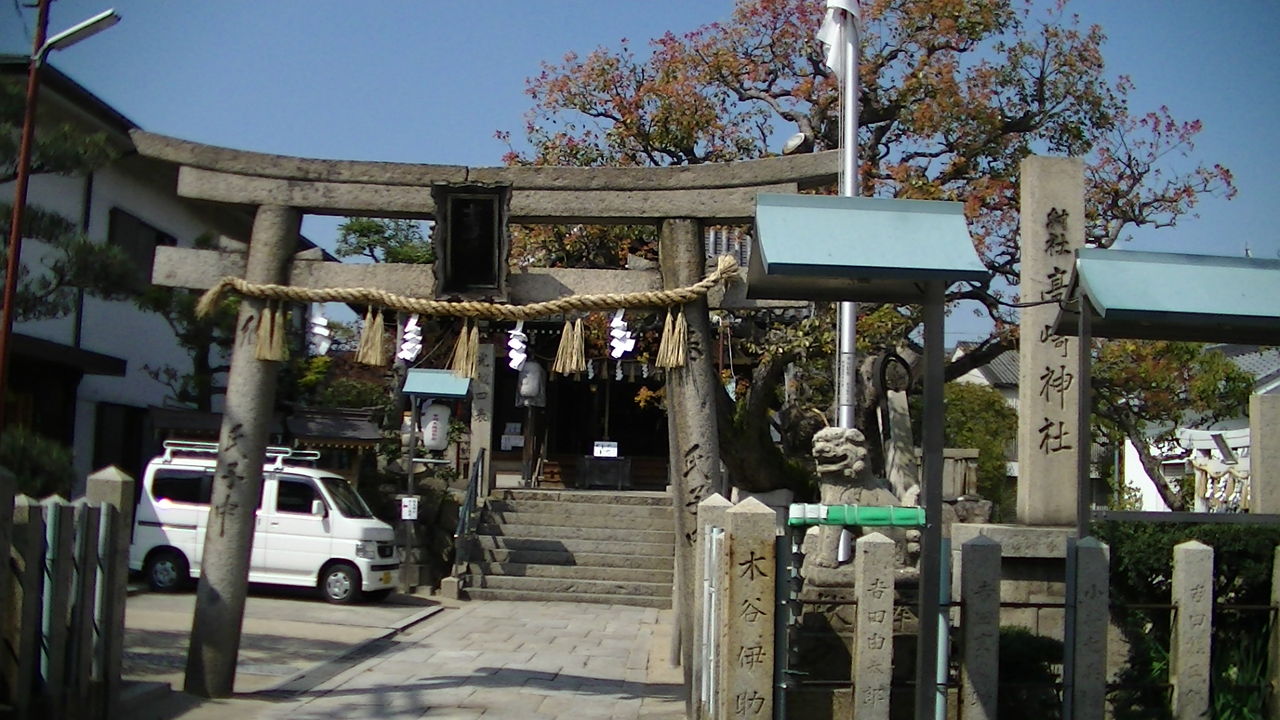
<point>1168,296</point>
<point>822,247</point>
<point>436,383</point>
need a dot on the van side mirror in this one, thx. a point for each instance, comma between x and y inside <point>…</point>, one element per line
<point>318,508</point>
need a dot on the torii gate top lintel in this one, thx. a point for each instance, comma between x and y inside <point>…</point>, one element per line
<point>717,192</point>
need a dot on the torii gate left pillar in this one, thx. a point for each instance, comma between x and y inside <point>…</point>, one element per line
<point>250,400</point>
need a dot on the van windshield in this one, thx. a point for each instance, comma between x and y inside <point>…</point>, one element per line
<point>349,503</point>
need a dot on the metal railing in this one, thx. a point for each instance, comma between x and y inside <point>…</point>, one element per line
<point>465,533</point>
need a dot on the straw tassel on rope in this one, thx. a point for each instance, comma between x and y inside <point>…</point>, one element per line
<point>271,324</point>
<point>578,361</point>
<point>674,345</point>
<point>466,351</point>
<point>371,350</point>
<point>564,351</point>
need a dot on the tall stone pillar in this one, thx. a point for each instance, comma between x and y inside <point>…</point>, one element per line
<point>694,456</point>
<point>237,484</point>
<point>1052,228</point>
<point>1264,454</point>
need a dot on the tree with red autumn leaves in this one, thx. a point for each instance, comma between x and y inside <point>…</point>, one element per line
<point>954,93</point>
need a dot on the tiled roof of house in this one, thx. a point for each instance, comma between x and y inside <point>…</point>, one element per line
<point>1002,371</point>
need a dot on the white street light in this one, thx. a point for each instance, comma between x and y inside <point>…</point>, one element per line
<point>75,34</point>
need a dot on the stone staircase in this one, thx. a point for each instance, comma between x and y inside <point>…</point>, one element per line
<point>574,545</point>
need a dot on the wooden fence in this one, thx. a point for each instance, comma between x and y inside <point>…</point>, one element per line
<point>742,675</point>
<point>62,608</point>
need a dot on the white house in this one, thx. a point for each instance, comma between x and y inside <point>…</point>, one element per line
<point>80,379</point>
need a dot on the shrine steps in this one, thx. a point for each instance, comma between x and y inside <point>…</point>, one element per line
<point>576,546</point>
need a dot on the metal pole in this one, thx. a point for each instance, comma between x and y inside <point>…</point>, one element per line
<point>927,690</point>
<point>1084,386</point>
<point>13,263</point>
<point>847,314</point>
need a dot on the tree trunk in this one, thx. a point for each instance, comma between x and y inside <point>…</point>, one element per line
<point>1150,465</point>
<point>751,458</point>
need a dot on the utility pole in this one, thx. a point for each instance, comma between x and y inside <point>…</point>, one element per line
<point>13,262</point>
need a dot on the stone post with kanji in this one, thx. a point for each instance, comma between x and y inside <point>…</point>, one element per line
<point>1191,640</point>
<point>1052,229</point>
<point>874,563</point>
<point>748,613</point>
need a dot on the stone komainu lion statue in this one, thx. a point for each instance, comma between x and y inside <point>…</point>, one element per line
<point>844,478</point>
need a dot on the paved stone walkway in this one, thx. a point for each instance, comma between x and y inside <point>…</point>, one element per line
<point>518,660</point>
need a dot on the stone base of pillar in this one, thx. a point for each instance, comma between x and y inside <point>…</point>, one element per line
<point>451,587</point>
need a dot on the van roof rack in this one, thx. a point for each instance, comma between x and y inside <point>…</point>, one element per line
<point>275,453</point>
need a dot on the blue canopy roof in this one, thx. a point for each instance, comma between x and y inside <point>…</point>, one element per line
<point>822,247</point>
<point>1169,296</point>
<point>436,383</point>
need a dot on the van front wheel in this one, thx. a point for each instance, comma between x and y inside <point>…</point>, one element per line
<point>167,571</point>
<point>340,584</point>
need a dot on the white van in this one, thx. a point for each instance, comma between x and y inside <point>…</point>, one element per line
<point>312,529</point>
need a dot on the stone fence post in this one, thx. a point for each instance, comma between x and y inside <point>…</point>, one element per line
<point>1274,666</point>
<point>748,612</point>
<point>1192,636</point>
<point>114,487</point>
<point>873,628</point>
<point>710,517</point>
<point>980,623</point>
<point>1090,592</point>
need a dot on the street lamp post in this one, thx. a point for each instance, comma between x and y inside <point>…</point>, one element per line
<point>41,47</point>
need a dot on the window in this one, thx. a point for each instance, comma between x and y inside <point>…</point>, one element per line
<point>183,486</point>
<point>138,241</point>
<point>294,496</point>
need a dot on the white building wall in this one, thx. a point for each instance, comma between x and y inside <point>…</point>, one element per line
<point>116,328</point>
<point>1135,478</point>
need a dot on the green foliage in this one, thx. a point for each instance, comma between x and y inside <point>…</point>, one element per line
<point>72,262</point>
<point>1027,677</point>
<point>41,466</point>
<point>384,240</point>
<point>1144,390</point>
<point>58,148</point>
<point>346,392</point>
<point>1142,572</point>
<point>978,416</point>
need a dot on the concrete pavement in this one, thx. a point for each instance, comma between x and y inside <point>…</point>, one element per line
<point>285,632</point>
<point>494,659</point>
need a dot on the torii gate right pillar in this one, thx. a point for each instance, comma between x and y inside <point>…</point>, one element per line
<point>694,452</point>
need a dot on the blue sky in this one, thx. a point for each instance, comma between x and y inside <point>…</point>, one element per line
<point>430,81</point>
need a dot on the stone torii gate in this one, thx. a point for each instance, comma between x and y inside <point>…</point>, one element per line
<point>679,200</point>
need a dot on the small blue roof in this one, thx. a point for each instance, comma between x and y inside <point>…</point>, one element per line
<point>1170,296</point>
<point>436,383</point>
<point>823,247</point>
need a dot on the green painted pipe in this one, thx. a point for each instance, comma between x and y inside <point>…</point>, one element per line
<point>864,515</point>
